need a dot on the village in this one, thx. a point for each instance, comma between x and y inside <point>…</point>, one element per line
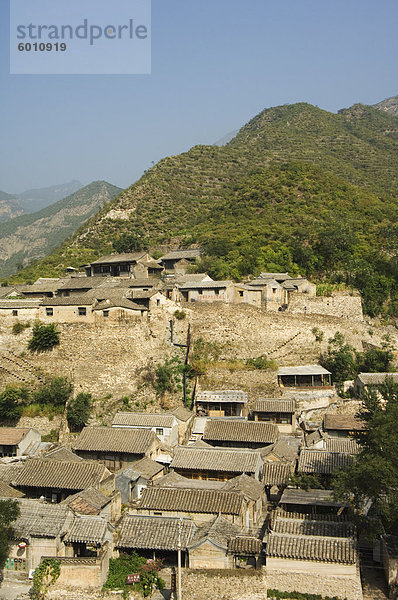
<point>208,488</point>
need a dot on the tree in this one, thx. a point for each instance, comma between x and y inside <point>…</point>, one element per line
<point>9,512</point>
<point>130,242</point>
<point>11,400</point>
<point>340,360</point>
<point>55,392</point>
<point>78,411</point>
<point>374,475</point>
<point>44,337</point>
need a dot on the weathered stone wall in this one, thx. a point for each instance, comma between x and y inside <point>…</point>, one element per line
<point>343,307</point>
<point>312,583</point>
<point>224,585</point>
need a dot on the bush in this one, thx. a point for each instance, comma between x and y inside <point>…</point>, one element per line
<point>19,327</point>
<point>261,363</point>
<point>50,437</point>
<point>78,411</point>
<point>44,337</point>
<point>180,315</point>
<point>127,564</point>
<point>11,401</point>
<point>55,392</point>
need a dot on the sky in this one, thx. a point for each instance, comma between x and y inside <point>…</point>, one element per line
<point>215,65</point>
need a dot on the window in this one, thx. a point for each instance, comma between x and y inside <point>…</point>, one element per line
<point>14,313</point>
<point>105,313</point>
<point>241,294</point>
<point>157,302</point>
<point>49,312</point>
<point>82,311</point>
<point>159,431</point>
<point>216,292</point>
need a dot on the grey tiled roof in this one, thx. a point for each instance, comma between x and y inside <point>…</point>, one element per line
<point>276,473</point>
<point>250,487</point>
<point>182,413</point>
<point>219,531</point>
<point>62,453</point>
<point>342,422</point>
<point>286,448</point>
<point>221,396</point>
<point>179,254</point>
<point>6,491</point>
<point>322,461</point>
<point>202,285</point>
<point>20,303</point>
<point>118,303</point>
<point>303,370</point>
<point>87,502</point>
<point>157,533</point>
<point>87,529</point>
<point>38,519</point>
<point>78,283</point>
<point>191,500</point>
<point>11,436</point>
<point>146,467</point>
<point>68,301</point>
<point>275,405</point>
<point>346,446</point>
<point>309,497</point>
<point>318,528</point>
<point>241,431</point>
<point>114,439</point>
<point>245,545</point>
<point>144,419</point>
<point>117,258</point>
<point>377,378</point>
<point>69,475</point>
<point>330,550</point>
<point>235,461</point>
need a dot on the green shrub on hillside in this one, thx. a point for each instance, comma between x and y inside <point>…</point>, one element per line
<point>44,337</point>
<point>78,411</point>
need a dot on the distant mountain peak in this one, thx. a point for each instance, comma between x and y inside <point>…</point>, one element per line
<point>389,105</point>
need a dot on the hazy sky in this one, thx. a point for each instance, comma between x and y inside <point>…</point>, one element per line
<point>215,64</point>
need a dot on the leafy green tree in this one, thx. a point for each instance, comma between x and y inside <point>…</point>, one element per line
<point>9,512</point>
<point>55,392</point>
<point>375,360</point>
<point>78,411</point>
<point>11,401</point>
<point>373,476</point>
<point>44,337</point>
<point>340,360</point>
<point>130,242</point>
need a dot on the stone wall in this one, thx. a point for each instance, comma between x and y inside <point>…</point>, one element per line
<point>237,584</point>
<point>325,585</point>
<point>343,307</point>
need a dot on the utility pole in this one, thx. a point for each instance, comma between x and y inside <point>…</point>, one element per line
<point>179,595</point>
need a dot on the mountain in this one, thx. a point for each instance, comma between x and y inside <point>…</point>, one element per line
<point>226,138</point>
<point>298,188</point>
<point>36,199</point>
<point>390,105</point>
<point>9,207</point>
<point>33,236</point>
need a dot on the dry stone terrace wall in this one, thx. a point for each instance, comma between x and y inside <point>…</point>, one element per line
<point>112,359</point>
<point>342,587</point>
<point>224,585</point>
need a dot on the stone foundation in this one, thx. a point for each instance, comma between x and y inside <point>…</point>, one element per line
<point>343,587</point>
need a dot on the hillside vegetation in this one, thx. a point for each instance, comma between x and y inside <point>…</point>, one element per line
<point>297,189</point>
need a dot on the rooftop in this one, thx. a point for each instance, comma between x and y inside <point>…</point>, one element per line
<point>241,431</point>
<point>146,468</point>
<point>132,419</point>
<point>219,531</point>
<point>303,370</point>
<point>334,529</point>
<point>114,439</point>
<point>87,502</point>
<point>87,530</point>
<point>202,285</point>
<point>153,533</point>
<point>216,459</point>
<point>377,378</point>
<point>12,436</point>
<point>276,473</point>
<point>180,254</point>
<point>191,500</point>
<point>309,497</point>
<point>343,422</point>
<point>39,519</point>
<point>221,396</point>
<point>322,462</point>
<point>118,258</point>
<point>182,414</point>
<point>69,475</point>
<point>275,405</point>
<point>330,550</point>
